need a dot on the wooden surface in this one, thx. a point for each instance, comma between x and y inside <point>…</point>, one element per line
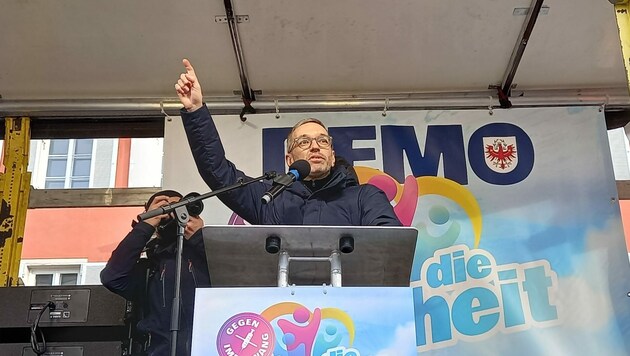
<point>66,198</point>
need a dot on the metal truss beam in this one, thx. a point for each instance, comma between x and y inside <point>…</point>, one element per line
<point>505,88</point>
<point>115,109</point>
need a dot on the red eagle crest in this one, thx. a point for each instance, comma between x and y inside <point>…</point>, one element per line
<point>501,154</point>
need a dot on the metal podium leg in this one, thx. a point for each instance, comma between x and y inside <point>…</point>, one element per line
<point>283,269</point>
<point>335,269</point>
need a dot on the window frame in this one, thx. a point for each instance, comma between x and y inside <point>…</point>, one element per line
<point>41,150</point>
<point>30,269</point>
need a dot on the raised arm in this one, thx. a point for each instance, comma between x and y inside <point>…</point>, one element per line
<point>207,150</point>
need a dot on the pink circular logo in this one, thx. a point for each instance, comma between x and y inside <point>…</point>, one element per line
<point>245,334</point>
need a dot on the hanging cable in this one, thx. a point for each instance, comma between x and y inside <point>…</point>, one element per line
<point>35,344</point>
<point>168,118</point>
<point>275,103</point>
<point>385,108</point>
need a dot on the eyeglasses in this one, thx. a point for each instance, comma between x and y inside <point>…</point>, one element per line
<point>304,142</point>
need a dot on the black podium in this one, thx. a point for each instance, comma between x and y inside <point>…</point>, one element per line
<point>278,255</point>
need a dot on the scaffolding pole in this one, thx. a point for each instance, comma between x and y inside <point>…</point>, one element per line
<point>623,23</point>
<point>15,183</point>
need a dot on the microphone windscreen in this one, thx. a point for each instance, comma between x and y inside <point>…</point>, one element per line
<point>302,167</point>
<point>194,208</point>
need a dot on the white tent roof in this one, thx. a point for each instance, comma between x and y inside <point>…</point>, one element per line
<point>77,49</point>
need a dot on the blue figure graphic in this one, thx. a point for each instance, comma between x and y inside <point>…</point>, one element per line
<point>322,344</point>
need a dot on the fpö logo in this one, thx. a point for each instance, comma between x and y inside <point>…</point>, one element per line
<point>288,329</point>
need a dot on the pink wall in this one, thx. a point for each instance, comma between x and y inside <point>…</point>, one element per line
<point>625,219</point>
<point>90,233</point>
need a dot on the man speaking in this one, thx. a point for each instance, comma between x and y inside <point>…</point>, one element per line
<point>328,195</point>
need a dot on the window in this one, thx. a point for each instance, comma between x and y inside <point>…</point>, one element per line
<point>44,279</point>
<point>68,279</point>
<point>93,163</point>
<point>69,164</point>
<point>53,272</point>
<point>51,278</point>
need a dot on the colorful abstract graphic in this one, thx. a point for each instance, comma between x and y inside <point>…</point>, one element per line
<point>300,331</point>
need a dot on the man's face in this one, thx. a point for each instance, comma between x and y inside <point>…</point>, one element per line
<point>167,228</point>
<point>162,200</point>
<point>322,159</point>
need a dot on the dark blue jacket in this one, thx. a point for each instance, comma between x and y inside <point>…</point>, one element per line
<point>126,274</point>
<point>342,201</point>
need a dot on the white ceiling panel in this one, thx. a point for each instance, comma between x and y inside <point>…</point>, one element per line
<point>576,45</point>
<point>88,49</point>
<point>377,46</point>
<point>114,48</point>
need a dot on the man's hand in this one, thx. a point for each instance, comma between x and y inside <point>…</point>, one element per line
<point>188,88</point>
<point>157,202</point>
<point>194,223</point>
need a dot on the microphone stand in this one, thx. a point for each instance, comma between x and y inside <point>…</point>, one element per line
<point>182,216</point>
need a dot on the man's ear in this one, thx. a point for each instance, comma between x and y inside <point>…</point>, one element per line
<point>333,158</point>
<point>288,159</point>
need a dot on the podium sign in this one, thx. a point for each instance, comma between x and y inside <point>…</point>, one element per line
<point>237,256</point>
<point>304,321</point>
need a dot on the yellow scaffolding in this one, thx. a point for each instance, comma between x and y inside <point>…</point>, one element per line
<point>622,9</point>
<point>15,183</point>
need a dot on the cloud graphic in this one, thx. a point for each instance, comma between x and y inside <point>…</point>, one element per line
<point>596,281</point>
<point>574,293</point>
<point>404,342</point>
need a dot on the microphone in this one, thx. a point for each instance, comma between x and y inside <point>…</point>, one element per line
<point>299,170</point>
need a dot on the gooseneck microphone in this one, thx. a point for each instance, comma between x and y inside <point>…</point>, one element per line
<point>299,170</point>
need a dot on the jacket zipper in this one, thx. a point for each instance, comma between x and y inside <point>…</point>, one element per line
<point>163,286</point>
<point>191,269</point>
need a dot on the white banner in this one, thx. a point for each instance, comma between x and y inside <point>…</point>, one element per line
<point>520,248</point>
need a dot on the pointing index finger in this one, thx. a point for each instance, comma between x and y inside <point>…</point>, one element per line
<point>188,66</point>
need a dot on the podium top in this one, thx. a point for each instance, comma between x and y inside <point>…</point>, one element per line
<point>237,256</point>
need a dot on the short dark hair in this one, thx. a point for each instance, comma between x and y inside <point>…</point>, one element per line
<point>167,192</point>
<point>300,123</point>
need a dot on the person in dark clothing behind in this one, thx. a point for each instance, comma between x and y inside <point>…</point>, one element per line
<point>328,196</point>
<point>142,269</point>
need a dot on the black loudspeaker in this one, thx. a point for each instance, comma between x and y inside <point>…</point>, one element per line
<point>74,306</point>
<point>65,349</point>
<point>75,320</point>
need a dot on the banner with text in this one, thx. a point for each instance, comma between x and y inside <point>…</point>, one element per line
<point>296,321</point>
<point>520,247</point>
